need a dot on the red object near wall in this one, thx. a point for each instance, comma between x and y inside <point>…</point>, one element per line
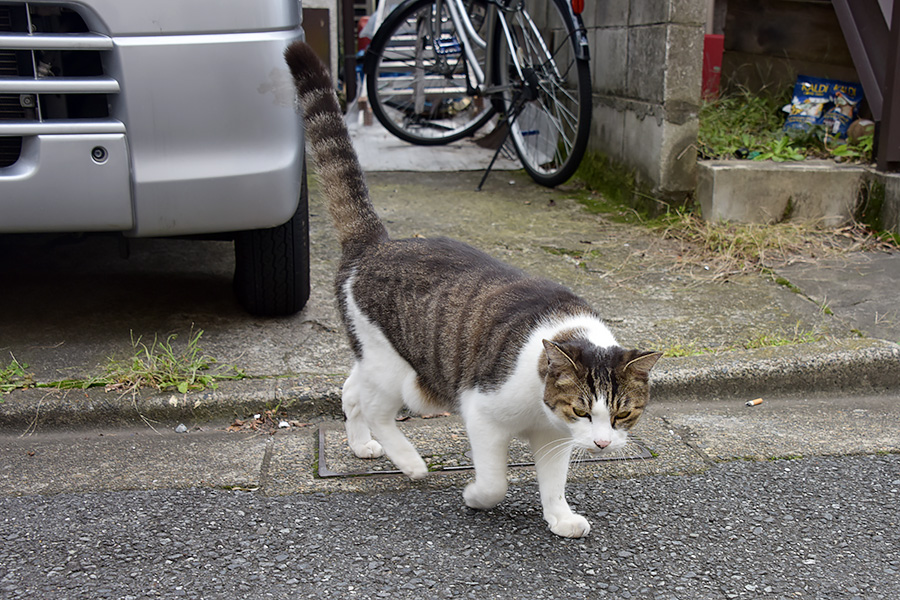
<point>713,47</point>
<point>362,42</point>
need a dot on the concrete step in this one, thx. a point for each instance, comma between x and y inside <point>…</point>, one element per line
<point>820,191</point>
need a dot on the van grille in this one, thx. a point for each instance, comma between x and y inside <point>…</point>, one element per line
<point>51,74</point>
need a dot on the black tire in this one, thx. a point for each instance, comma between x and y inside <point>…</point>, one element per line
<point>549,105</point>
<point>271,273</point>
<point>401,55</point>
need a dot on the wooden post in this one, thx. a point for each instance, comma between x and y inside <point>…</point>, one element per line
<point>888,151</point>
<point>349,39</point>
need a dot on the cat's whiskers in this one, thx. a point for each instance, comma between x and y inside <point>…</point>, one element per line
<point>579,457</point>
<point>617,453</point>
<point>554,444</point>
<point>553,449</point>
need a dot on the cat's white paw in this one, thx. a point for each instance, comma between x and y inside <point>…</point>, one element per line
<point>570,526</point>
<point>370,449</point>
<point>416,472</point>
<point>476,496</point>
<point>412,465</point>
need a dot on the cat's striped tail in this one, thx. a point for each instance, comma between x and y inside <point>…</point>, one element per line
<point>341,178</point>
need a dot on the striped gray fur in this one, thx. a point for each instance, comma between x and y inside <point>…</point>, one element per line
<point>340,176</point>
<point>458,316</point>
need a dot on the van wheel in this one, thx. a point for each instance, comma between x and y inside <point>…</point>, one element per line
<point>271,272</point>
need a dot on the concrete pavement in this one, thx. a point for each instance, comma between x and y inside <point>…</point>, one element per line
<point>673,438</point>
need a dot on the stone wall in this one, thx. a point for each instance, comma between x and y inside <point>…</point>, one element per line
<point>646,66</point>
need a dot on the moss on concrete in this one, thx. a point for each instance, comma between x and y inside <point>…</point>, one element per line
<point>619,193</point>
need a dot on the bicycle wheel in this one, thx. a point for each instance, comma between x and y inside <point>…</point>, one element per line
<point>417,77</point>
<point>546,85</point>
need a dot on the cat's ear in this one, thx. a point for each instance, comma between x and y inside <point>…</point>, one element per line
<point>559,359</point>
<point>640,363</point>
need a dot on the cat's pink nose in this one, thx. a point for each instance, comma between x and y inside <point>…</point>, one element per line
<point>602,443</point>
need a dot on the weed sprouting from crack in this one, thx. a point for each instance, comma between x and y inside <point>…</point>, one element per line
<point>163,366</point>
<point>14,376</point>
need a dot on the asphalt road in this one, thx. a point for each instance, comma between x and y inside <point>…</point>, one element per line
<point>809,528</point>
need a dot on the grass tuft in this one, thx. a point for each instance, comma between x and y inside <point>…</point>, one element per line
<point>750,126</point>
<point>674,349</point>
<point>14,377</point>
<point>164,366</point>
<point>739,124</point>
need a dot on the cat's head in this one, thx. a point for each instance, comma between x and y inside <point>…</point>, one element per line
<point>598,393</point>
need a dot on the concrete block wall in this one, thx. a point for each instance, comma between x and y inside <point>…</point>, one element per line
<point>646,61</point>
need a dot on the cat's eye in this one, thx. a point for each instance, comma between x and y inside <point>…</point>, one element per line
<point>581,413</point>
<point>621,417</point>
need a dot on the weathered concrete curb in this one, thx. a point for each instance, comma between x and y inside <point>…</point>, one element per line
<point>303,397</point>
<point>846,367</point>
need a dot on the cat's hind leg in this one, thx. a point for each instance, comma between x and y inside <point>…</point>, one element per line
<point>379,402</point>
<point>552,451</point>
<point>398,448</point>
<point>359,437</point>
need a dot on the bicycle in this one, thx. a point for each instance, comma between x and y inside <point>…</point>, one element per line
<point>439,70</point>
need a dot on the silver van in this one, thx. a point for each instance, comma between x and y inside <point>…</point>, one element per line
<point>159,118</point>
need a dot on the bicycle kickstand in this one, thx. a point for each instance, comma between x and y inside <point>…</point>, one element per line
<point>515,109</point>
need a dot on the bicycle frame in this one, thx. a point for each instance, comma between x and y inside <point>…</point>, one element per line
<point>469,38</point>
<point>466,30</point>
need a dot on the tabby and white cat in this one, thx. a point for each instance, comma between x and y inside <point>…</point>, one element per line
<point>437,325</point>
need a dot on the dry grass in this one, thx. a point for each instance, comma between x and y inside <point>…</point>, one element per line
<point>724,249</point>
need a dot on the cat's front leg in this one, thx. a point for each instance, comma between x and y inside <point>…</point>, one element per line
<point>552,450</point>
<point>490,453</point>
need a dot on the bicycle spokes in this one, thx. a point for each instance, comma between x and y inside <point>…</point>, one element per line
<point>541,70</point>
<point>418,78</point>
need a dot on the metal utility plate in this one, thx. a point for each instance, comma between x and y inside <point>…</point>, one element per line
<point>442,443</point>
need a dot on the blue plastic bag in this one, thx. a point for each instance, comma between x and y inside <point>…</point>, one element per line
<point>828,102</point>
